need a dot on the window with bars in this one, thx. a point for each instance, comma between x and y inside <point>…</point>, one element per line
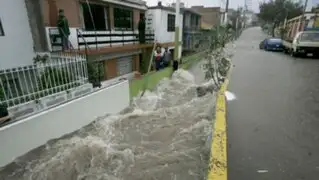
<point>123,18</point>
<point>1,29</point>
<point>170,22</point>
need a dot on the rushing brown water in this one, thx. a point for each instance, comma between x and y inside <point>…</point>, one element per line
<point>163,136</point>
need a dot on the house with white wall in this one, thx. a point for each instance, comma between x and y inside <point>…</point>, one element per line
<point>16,42</point>
<point>162,20</point>
<point>23,81</point>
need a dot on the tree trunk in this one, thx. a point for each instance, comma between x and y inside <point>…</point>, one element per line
<point>273,29</point>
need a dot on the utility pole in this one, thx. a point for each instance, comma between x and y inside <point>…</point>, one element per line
<point>303,14</point>
<point>226,12</point>
<point>177,22</point>
<point>245,12</point>
<point>236,28</point>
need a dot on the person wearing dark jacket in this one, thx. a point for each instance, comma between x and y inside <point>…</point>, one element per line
<point>141,30</point>
<point>64,30</point>
<point>175,65</point>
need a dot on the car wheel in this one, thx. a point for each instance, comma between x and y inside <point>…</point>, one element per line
<point>267,48</point>
<point>293,54</point>
<point>285,50</point>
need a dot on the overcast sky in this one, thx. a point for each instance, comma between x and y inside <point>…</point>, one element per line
<point>232,3</point>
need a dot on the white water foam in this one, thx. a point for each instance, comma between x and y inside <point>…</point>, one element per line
<point>163,137</point>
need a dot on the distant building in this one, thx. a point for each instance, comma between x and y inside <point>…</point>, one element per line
<point>250,17</point>
<point>211,16</point>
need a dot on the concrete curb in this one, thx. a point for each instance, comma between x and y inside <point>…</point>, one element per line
<point>217,169</point>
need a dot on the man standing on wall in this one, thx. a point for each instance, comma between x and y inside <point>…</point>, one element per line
<point>141,30</point>
<point>64,30</point>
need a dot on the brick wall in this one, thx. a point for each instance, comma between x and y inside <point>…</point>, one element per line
<point>71,11</point>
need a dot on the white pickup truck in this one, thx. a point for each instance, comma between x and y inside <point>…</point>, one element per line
<point>305,43</point>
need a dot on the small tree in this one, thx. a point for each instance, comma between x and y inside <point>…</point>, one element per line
<point>275,11</point>
<point>217,62</point>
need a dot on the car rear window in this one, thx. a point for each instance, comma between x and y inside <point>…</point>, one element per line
<point>274,40</point>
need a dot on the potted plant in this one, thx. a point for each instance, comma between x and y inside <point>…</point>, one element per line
<point>4,115</point>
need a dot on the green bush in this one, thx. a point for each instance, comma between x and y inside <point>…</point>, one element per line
<point>1,95</point>
<point>95,73</point>
<point>3,107</point>
<point>54,77</point>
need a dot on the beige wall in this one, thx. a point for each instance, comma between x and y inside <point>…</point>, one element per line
<point>71,11</point>
<point>210,15</point>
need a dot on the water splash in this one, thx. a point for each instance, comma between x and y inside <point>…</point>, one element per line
<point>162,137</point>
<point>230,96</point>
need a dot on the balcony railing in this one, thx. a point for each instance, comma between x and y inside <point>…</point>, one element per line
<point>100,39</point>
<point>81,39</point>
<point>191,28</point>
<point>195,41</point>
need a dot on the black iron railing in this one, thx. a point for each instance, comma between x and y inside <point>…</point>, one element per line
<point>100,39</point>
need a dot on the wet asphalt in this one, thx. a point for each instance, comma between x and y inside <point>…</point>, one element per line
<point>273,125</point>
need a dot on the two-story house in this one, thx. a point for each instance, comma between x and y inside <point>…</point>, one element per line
<point>162,20</point>
<point>106,30</point>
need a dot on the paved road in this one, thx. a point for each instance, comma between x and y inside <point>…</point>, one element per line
<point>273,126</point>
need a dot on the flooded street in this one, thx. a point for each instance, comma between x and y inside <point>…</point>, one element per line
<point>162,136</point>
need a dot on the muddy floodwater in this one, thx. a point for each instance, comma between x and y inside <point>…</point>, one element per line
<point>162,136</point>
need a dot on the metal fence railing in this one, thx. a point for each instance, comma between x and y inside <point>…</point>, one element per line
<point>50,74</point>
<point>98,39</point>
<point>196,41</point>
<point>82,39</point>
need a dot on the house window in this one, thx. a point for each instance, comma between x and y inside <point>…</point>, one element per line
<point>95,17</point>
<point>197,21</point>
<point>123,18</point>
<point>1,29</point>
<point>170,23</point>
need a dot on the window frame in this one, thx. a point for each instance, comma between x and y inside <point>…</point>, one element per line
<point>1,29</point>
<point>106,13</point>
<point>131,18</point>
<point>171,22</point>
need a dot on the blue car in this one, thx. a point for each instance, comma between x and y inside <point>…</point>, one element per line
<point>271,44</point>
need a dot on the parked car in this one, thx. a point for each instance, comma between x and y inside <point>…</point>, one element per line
<point>271,44</point>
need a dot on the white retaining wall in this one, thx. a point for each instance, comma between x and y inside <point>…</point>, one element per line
<point>19,138</point>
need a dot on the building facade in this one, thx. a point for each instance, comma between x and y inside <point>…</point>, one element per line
<point>210,16</point>
<point>191,29</point>
<point>106,30</point>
